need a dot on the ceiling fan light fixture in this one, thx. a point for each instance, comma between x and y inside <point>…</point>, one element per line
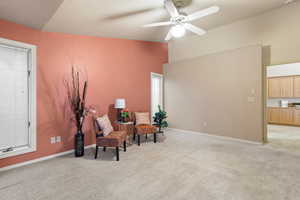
<point>178,31</point>
<point>180,21</point>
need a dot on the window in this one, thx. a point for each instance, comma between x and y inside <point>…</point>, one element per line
<point>17,98</point>
<point>156,92</point>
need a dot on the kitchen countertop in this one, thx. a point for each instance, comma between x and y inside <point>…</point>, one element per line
<point>284,107</point>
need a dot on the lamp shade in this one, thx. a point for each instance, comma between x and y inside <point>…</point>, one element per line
<point>120,103</point>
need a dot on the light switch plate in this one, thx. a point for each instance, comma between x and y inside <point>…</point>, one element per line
<point>251,99</point>
<point>52,140</point>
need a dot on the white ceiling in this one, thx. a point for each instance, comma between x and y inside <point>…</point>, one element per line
<point>121,18</point>
<point>33,13</point>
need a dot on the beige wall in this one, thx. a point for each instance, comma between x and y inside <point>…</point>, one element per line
<point>278,31</point>
<point>210,94</point>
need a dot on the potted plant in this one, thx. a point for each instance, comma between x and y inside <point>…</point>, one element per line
<point>76,96</point>
<point>160,119</point>
<point>125,115</point>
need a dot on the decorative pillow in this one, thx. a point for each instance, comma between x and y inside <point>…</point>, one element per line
<point>142,118</point>
<point>105,125</point>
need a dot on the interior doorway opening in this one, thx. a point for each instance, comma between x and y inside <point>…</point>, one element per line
<point>156,92</point>
<point>283,106</point>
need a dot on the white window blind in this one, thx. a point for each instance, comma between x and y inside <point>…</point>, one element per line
<point>15,99</point>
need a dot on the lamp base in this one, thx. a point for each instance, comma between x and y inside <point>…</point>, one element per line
<point>119,117</point>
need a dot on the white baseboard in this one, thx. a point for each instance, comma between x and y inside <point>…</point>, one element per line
<point>41,159</point>
<point>217,136</point>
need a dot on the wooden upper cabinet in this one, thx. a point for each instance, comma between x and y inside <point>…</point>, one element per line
<point>274,88</point>
<point>287,86</point>
<point>297,86</point>
<point>281,87</point>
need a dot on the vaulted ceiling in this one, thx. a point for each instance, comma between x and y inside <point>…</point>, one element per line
<point>122,18</point>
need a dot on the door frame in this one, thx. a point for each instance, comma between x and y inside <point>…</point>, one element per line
<point>265,99</point>
<point>152,74</point>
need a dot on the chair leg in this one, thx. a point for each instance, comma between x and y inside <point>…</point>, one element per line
<point>139,140</point>
<point>104,148</point>
<point>96,154</point>
<point>117,153</point>
<point>146,137</point>
<point>134,137</point>
<point>124,145</point>
<point>154,137</point>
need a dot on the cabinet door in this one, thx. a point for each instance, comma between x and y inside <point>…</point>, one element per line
<point>297,86</point>
<point>297,117</point>
<point>287,86</point>
<point>274,88</point>
<point>274,115</point>
<point>287,116</point>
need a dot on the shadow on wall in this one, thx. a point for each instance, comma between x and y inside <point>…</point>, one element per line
<point>53,118</point>
<point>89,125</point>
<point>266,55</point>
<point>54,115</point>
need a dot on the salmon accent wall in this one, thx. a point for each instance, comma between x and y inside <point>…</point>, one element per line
<point>117,68</point>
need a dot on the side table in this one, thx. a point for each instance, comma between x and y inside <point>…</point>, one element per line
<point>128,127</point>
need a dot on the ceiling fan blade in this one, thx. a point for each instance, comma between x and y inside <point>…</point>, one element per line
<point>158,24</point>
<point>171,8</point>
<point>194,29</point>
<point>169,36</point>
<point>203,13</point>
<point>130,14</point>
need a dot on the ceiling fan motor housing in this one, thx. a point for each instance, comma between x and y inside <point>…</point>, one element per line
<point>182,3</point>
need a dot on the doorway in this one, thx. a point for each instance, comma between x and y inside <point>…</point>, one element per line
<point>156,92</point>
<point>283,106</point>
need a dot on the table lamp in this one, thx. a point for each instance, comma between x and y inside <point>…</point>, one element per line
<point>119,105</point>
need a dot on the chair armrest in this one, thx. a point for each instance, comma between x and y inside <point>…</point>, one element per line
<point>99,134</point>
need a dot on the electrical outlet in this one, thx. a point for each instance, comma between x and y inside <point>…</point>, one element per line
<point>52,140</point>
<point>58,138</point>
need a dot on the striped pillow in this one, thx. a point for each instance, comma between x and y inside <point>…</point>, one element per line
<point>142,118</point>
<point>105,125</point>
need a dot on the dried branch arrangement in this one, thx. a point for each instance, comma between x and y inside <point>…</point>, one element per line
<point>76,97</point>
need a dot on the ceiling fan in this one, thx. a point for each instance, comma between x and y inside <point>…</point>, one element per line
<point>180,21</point>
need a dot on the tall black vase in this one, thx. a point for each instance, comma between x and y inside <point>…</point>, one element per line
<point>79,144</point>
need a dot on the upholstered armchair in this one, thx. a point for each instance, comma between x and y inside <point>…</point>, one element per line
<point>114,139</point>
<point>143,126</point>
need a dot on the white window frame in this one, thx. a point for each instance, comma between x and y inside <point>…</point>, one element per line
<point>31,147</point>
<point>162,88</point>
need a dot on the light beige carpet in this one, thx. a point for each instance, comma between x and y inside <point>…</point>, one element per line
<point>284,137</point>
<point>182,166</point>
